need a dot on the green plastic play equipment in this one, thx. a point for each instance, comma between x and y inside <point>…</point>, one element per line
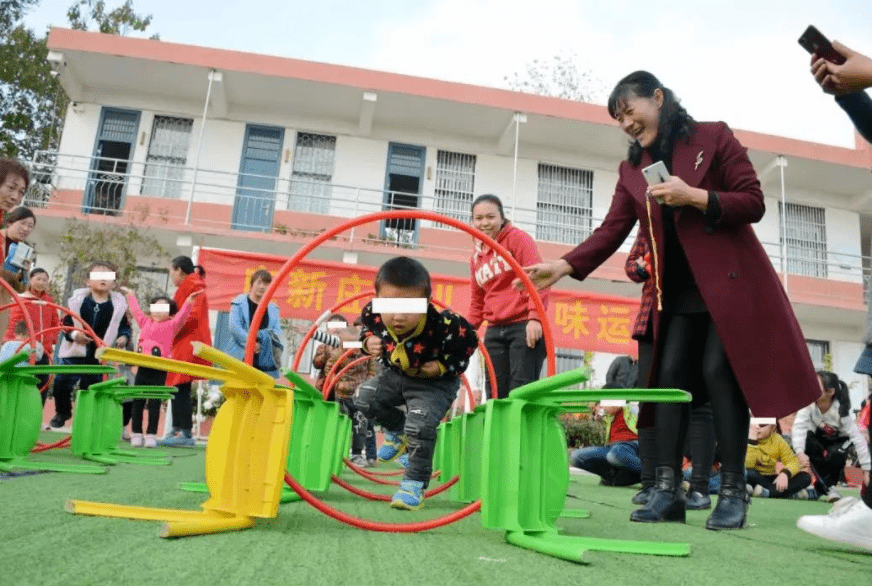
<point>97,422</point>
<point>320,438</point>
<point>512,454</point>
<point>21,414</point>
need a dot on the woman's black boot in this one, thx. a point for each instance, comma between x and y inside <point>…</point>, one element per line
<point>667,502</point>
<point>732,507</point>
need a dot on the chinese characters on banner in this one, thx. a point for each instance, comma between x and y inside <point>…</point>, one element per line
<point>580,320</point>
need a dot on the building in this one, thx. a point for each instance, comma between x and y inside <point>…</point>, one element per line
<point>258,153</point>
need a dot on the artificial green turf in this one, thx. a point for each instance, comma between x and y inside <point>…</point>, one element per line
<point>40,543</point>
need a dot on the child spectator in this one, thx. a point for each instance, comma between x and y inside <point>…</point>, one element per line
<point>618,461</point>
<point>328,342</point>
<point>772,469</point>
<point>156,333</point>
<point>19,344</point>
<point>822,433</point>
<point>105,311</point>
<point>343,388</point>
<point>423,354</point>
<point>42,316</point>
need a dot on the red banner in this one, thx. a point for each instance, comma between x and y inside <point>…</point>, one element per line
<point>579,320</point>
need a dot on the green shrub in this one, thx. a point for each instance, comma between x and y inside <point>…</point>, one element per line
<point>582,430</point>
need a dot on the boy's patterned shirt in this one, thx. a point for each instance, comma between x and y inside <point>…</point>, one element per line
<point>446,337</point>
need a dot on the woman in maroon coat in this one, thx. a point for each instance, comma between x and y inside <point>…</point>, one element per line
<point>720,313</point>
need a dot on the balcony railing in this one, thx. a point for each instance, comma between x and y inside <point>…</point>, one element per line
<point>260,203</point>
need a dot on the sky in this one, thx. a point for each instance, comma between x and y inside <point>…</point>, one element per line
<point>736,61</point>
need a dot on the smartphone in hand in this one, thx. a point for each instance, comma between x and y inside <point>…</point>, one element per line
<point>655,174</point>
<point>817,44</point>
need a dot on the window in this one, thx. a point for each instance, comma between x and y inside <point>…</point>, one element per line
<point>455,183</point>
<point>806,244</point>
<point>312,173</point>
<point>565,359</point>
<point>563,210</point>
<point>818,349</point>
<point>167,156</point>
<point>152,281</point>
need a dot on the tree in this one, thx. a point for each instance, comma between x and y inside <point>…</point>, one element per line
<point>84,14</point>
<point>123,245</point>
<point>561,76</point>
<point>30,97</point>
<point>32,101</point>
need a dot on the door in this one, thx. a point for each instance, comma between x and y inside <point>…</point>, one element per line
<point>113,150</point>
<point>258,171</point>
<point>403,181</point>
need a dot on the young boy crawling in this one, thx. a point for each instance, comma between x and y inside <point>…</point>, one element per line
<point>424,352</point>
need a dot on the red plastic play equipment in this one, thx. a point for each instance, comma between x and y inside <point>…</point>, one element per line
<point>489,366</point>
<point>323,237</point>
<point>374,525</point>
<point>383,497</point>
<point>378,480</point>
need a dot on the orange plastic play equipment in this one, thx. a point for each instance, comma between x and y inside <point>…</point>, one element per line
<point>245,456</point>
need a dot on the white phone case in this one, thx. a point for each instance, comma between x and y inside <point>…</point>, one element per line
<point>655,173</point>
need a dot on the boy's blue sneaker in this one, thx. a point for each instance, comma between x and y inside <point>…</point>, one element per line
<point>410,496</point>
<point>403,459</point>
<point>393,446</point>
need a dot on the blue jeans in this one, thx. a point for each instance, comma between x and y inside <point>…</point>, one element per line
<point>606,460</point>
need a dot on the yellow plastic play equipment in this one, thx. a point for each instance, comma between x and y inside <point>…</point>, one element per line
<point>245,456</point>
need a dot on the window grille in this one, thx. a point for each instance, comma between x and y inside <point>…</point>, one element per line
<point>455,184</point>
<point>564,206</point>
<point>565,359</point>
<point>167,156</point>
<point>817,349</point>
<point>806,245</point>
<point>312,173</point>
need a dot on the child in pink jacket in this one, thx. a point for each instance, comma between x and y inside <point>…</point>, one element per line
<point>156,333</point>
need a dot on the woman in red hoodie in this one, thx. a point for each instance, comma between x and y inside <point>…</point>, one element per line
<point>195,329</point>
<point>514,331</point>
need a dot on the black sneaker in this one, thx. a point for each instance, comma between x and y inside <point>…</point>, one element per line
<point>57,421</point>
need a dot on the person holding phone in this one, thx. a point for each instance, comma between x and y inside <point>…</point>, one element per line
<point>719,312</point>
<point>850,520</point>
<point>846,81</point>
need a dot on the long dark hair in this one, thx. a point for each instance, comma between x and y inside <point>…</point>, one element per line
<point>832,381</point>
<point>675,122</point>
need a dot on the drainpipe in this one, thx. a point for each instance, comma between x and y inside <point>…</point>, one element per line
<point>212,74</point>
<point>782,163</point>
<point>519,118</point>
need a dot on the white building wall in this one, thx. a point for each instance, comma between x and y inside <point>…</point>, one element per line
<point>843,245</point>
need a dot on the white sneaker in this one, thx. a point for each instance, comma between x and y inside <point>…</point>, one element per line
<point>136,440</point>
<point>833,495</point>
<point>125,435</point>
<point>150,441</point>
<point>848,522</point>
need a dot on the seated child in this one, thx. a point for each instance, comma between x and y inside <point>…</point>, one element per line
<point>618,461</point>
<point>156,333</point>
<point>822,433</point>
<point>423,356</point>
<point>772,468</point>
<point>14,346</point>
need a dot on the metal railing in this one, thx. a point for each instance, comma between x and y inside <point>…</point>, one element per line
<point>259,201</point>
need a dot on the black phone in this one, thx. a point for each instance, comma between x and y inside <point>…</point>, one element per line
<point>813,41</point>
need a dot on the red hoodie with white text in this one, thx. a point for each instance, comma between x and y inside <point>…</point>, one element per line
<point>493,298</point>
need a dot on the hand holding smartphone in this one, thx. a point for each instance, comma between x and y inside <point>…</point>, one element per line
<point>817,44</point>
<point>656,174</point>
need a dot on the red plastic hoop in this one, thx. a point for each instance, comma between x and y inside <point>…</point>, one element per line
<point>292,262</point>
<point>383,497</point>
<point>374,525</point>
